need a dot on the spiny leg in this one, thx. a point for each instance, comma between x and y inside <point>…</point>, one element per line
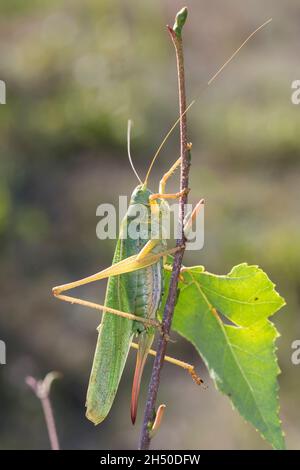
<point>155,208</point>
<point>178,195</point>
<point>103,308</point>
<point>162,185</point>
<point>193,216</point>
<point>147,249</point>
<point>167,175</point>
<point>130,316</point>
<point>156,214</point>
<point>176,362</point>
<point>147,322</point>
<point>130,264</point>
<point>187,227</point>
<point>143,259</point>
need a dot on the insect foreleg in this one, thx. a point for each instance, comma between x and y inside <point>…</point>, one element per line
<point>167,175</point>
<point>178,195</point>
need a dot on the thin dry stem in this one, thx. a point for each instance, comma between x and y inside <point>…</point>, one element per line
<point>41,389</point>
<point>145,438</point>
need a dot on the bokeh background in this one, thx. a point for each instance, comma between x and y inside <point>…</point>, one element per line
<point>75,72</point>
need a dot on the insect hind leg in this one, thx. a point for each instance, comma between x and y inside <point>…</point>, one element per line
<point>103,308</point>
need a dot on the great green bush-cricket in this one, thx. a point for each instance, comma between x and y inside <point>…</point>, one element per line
<point>133,296</point>
<point>134,291</point>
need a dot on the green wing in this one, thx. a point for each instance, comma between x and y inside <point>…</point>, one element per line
<point>115,336</point>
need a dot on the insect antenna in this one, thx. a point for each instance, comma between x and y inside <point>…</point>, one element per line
<point>238,50</point>
<point>129,125</point>
<point>164,141</point>
<point>219,71</point>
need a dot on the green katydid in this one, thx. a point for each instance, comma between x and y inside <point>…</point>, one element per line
<point>134,292</point>
<point>133,295</point>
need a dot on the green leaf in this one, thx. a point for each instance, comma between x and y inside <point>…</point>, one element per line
<point>238,350</point>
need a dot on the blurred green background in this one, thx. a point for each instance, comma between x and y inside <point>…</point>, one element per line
<point>75,72</point>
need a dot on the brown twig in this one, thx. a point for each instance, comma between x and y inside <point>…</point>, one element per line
<point>149,414</point>
<point>41,389</point>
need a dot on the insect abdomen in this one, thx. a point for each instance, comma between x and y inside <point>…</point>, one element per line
<point>149,290</point>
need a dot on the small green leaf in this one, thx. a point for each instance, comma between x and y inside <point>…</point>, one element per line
<point>180,21</point>
<point>240,354</point>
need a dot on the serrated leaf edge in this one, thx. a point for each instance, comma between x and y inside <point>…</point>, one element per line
<point>274,349</point>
